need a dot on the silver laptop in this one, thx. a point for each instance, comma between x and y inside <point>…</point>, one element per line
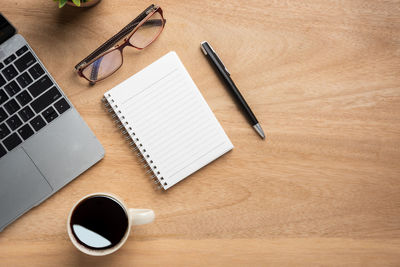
<point>44,142</point>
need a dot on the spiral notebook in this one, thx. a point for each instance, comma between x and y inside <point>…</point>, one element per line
<point>169,123</point>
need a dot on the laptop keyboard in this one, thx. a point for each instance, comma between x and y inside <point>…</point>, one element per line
<point>29,100</point>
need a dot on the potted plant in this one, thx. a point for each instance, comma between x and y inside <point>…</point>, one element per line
<point>78,3</point>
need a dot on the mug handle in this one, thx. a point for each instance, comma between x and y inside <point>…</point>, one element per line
<point>141,216</point>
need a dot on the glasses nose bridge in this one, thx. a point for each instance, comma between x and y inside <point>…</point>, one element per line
<point>123,45</point>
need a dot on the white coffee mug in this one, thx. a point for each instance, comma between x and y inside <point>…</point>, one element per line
<point>135,217</point>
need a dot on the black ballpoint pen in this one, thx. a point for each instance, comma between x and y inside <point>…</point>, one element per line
<point>226,77</point>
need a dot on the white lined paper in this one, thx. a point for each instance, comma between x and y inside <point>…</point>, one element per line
<point>175,127</point>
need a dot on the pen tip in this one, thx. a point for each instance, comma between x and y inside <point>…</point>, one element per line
<point>259,130</point>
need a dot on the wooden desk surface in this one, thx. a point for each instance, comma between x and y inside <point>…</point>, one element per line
<point>323,77</point>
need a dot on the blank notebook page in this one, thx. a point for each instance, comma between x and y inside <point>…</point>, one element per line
<point>167,117</point>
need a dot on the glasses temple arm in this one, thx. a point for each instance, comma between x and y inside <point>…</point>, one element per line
<point>116,38</point>
<point>155,22</point>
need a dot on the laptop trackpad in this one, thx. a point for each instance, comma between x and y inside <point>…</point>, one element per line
<point>22,186</point>
<point>64,149</point>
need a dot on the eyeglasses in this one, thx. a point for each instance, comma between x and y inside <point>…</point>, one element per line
<point>107,59</point>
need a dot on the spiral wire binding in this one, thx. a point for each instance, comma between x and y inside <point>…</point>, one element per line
<point>134,142</point>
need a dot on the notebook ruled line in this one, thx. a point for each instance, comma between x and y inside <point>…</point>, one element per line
<point>144,89</point>
<point>209,151</point>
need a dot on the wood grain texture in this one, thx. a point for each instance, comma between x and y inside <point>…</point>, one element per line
<point>323,78</point>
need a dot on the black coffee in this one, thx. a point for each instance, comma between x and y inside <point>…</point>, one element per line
<point>99,222</point>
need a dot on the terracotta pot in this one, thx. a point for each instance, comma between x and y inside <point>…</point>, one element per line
<point>86,4</point>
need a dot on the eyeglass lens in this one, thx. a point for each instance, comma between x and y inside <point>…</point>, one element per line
<point>103,66</point>
<point>148,31</point>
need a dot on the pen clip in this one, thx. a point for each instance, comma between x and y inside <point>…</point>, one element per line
<point>216,55</point>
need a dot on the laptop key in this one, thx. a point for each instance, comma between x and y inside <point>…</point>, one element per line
<point>36,71</point>
<point>25,61</point>
<point>3,151</point>
<point>49,114</point>
<point>25,131</point>
<point>3,96</point>
<point>24,79</point>
<point>40,86</point>
<point>21,50</point>
<point>14,122</point>
<point>9,59</point>
<point>4,131</point>
<point>12,88</point>
<point>61,105</point>
<point>1,65</point>
<point>12,141</point>
<point>2,80</point>
<point>37,123</point>
<point>24,98</point>
<point>12,106</point>
<point>10,72</point>
<point>26,113</point>
<point>46,99</point>
<point>3,115</point>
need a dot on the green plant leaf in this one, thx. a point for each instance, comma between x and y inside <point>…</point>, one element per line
<point>77,2</point>
<point>62,3</point>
